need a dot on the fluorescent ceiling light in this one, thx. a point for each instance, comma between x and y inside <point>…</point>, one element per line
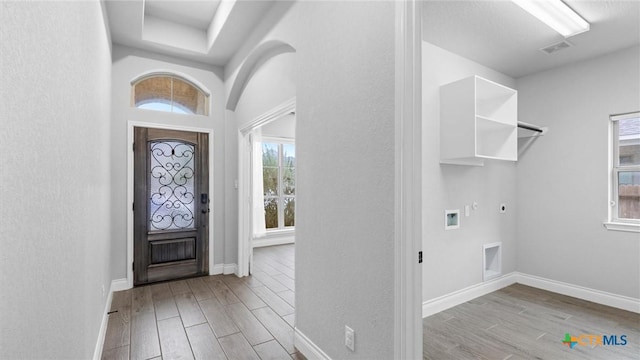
<point>556,15</point>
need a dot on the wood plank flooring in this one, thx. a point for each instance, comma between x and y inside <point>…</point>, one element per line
<point>219,317</point>
<point>224,317</point>
<point>520,322</point>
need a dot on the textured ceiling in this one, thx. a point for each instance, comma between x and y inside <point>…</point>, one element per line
<point>502,36</point>
<point>198,14</point>
<point>497,34</point>
<point>207,31</point>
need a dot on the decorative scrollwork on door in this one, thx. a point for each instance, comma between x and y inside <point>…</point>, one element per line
<point>171,187</point>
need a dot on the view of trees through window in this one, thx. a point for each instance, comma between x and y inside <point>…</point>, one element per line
<point>627,167</point>
<point>279,175</point>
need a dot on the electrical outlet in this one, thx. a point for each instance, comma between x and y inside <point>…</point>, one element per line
<point>103,292</point>
<point>349,338</point>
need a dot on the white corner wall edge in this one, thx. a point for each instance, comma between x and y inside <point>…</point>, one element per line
<point>450,300</point>
<point>310,350</point>
<point>116,285</point>
<point>580,292</point>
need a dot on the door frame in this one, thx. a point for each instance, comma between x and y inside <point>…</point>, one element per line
<point>245,181</point>
<point>408,180</point>
<point>129,207</point>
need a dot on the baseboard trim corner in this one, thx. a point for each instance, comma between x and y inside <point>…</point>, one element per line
<point>580,292</point>
<point>116,285</point>
<point>230,269</point>
<point>224,269</point>
<point>310,350</point>
<point>444,302</point>
<point>450,300</point>
<point>216,269</point>
<point>119,285</point>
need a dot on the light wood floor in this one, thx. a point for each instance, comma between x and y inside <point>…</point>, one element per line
<point>225,317</point>
<point>520,322</point>
<point>213,317</point>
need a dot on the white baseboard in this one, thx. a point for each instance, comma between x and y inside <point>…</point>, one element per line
<point>275,241</point>
<point>310,350</point>
<point>225,269</point>
<point>119,285</point>
<point>216,269</point>
<point>580,292</point>
<point>97,353</point>
<point>447,301</point>
<point>116,285</point>
<point>230,269</point>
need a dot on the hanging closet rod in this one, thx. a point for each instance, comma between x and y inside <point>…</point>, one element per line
<point>530,127</point>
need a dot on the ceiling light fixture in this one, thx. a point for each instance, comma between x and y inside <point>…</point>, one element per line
<point>556,15</point>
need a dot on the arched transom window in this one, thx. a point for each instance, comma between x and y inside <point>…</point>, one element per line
<point>169,93</point>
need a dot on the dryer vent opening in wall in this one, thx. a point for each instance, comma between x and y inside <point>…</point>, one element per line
<point>492,260</point>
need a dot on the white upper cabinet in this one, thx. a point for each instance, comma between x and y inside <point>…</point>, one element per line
<point>478,120</point>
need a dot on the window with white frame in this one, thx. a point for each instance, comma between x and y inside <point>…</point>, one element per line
<point>169,93</point>
<point>625,169</point>
<point>279,183</point>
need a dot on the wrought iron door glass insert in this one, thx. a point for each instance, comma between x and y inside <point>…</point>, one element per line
<point>171,190</point>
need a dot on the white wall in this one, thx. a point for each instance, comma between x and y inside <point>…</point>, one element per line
<point>128,64</point>
<point>345,200</point>
<point>344,86</point>
<point>453,258</point>
<point>279,24</point>
<point>55,79</point>
<point>562,178</point>
<point>285,127</point>
<point>231,197</point>
<point>271,84</point>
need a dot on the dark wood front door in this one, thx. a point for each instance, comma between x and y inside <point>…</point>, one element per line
<point>171,205</point>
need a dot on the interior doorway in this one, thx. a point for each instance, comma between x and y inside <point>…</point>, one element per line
<point>266,183</point>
